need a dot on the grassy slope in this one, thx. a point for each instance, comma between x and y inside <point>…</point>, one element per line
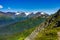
<point>20,29</point>
<point>10,19</point>
<point>19,26</point>
<point>50,32</point>
<point>17,36</point>
<point>5,20</point>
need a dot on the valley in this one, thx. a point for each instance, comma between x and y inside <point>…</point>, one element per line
<point>36,27</point>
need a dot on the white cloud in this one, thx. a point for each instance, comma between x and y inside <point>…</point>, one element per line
<point>1,6</point>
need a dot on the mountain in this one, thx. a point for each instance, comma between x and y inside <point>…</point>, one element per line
<point>10,13</point>
<point>41,14</point>
<point>7,13</point>
<point>21,14</point>
<point>7,18</point>
<point>38,26</point>
<point>12,17</point>
<point>14,27</point>
<point>31,15</point>
<point>51,31</point>
<point>37,14</point>
<point>10,32</point>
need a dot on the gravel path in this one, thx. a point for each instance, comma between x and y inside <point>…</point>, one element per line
<point>58,35</point>
<point>36,31</point>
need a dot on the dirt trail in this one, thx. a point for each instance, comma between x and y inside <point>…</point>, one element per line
<point>36,31</point>
<point>58,35</point>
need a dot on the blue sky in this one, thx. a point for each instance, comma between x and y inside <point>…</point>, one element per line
<point>49,6</point>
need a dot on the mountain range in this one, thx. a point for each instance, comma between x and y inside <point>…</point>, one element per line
<point>35,26</point>
<point>12,17</point>
<point>50,29</point>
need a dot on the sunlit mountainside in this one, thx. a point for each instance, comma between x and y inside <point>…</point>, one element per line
<point>16,27</point>
<point>52,30</point>
<point>29,19</point>
<point>34,26</point>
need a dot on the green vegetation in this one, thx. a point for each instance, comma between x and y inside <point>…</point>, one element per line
<point>20,30</point>
<point>17,36</point>
<point>20,26</point>
<point>50,32</point>
<point>5,20</point>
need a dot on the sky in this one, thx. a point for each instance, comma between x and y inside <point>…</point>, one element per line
<point>48,6</point>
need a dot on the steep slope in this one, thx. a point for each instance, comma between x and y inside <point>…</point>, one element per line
<point>17,30</point>
<point>7,18</point>
<point>36,31</point>
<point>50,32</point>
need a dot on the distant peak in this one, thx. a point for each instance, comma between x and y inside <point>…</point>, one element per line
<point>58,10</point>
<point>42,12</point>
<point>17,13</point>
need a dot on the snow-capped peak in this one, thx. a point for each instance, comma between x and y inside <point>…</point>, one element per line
<point>17,13</point>
<point>27,13</point>
<point>42,12</point>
